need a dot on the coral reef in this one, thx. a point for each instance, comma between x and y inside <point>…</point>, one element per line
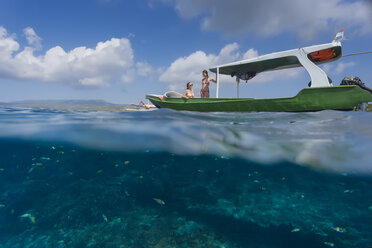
<point>58,195</point>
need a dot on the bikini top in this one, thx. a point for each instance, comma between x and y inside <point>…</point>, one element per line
<point>189,94</point>
<point>205,81</point>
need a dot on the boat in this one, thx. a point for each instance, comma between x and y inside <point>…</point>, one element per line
<point>320,95</point>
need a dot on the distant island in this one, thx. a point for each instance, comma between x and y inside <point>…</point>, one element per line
<point>89,105</point>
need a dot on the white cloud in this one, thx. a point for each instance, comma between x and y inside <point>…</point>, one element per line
<point>189,68</point>
<point>7,44</point>
<point>267,18</point>
<point>144,69</point>
<point>128,76</point>
<point>251,53</point>
<point>339,68</point>
<point>278,75</point>
<point>32,38</point>
<point>82,66</point>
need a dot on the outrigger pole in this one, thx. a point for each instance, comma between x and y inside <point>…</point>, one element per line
<point>352,54</point>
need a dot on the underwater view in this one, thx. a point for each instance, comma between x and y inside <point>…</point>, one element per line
<point>166,178</point>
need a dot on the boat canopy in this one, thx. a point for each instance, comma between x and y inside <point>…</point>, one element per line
<point>307,57</point>
<point>258,65</point>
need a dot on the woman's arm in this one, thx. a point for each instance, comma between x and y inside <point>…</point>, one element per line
<point>212,79</point>
<point>184,94</point>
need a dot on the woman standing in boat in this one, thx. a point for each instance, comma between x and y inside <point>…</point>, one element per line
<point>204,92</point>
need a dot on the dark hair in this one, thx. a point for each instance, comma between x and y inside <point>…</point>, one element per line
<point>188,85</point>
<point>205,71</point>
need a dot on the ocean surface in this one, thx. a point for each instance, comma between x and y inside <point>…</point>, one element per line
<point>164,178</point>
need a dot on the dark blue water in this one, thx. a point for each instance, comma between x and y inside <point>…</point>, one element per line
<point>178,179</point>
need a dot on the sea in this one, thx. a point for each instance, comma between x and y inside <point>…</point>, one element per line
<point>167,178</point>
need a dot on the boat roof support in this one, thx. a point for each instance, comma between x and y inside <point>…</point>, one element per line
<point>318,77</point>
<point>217,81</point>
<point>237,88</point>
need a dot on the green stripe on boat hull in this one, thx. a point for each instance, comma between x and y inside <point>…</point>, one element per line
<point>308,99</point>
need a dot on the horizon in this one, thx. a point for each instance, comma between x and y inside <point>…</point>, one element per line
<point>46,100</point>
<point>119,51</point>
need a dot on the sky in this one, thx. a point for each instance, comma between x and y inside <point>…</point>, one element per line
<point>121,50</point>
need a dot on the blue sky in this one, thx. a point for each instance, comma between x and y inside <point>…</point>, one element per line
<point>121,50</point>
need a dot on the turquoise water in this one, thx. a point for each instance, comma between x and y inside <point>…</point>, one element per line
<point>178,179</point>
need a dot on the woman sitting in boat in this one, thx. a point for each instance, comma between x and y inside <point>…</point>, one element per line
<point>189,92</point>
<point>204,92</point>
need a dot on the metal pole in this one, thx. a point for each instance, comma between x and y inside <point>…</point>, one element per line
<point>352,54</point>
<point>218,81</point>
<point>237,89</point>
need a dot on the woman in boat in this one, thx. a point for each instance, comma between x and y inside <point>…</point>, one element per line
<point>204,92</point>
<point>189,92</point>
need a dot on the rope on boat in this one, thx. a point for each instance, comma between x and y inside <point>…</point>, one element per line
<point>352,54</point>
